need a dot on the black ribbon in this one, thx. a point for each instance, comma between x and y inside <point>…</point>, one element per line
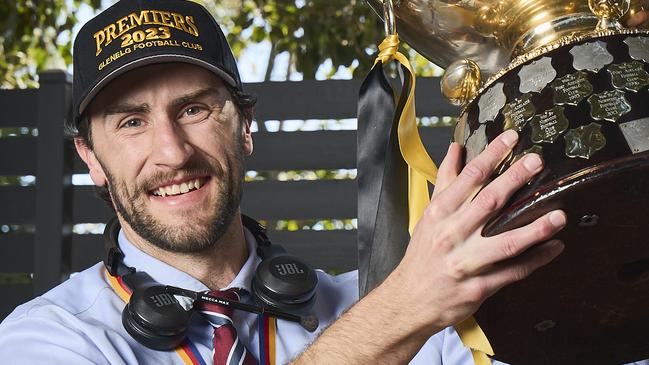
<point>382,181</point>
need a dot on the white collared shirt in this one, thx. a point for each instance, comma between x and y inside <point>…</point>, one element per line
<point>79,321</point>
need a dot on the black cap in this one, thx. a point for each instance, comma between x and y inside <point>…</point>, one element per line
<point>134,33</point>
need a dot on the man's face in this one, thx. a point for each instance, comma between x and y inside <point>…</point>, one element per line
<point>169,142</point>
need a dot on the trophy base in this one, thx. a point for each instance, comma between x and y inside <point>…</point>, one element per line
<point>587,306</point>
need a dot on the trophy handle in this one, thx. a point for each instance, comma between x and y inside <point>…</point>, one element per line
<point>389,20</point>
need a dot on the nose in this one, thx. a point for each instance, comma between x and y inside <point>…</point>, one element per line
<point>171,147</point>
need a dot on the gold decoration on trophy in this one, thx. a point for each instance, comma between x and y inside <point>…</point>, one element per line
<point>490,19</point>
<point>494,32</point>
<point>461,82</point>
<point>609,12</point>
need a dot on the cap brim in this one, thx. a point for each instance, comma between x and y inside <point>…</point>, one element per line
<point>154,59</point>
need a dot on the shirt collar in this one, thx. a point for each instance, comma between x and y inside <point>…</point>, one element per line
<point>166,274</point>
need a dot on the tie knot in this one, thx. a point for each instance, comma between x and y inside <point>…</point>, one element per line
<point>231,294</point>
<point>216,314</point>
<point>228,349</point>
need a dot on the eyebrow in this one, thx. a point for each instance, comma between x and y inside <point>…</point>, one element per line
<point>125,107</point>
<point>180,101</point>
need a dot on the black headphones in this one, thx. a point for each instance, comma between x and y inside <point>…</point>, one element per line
<point>153,316</point>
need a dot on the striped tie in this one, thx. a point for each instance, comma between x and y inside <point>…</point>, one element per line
<point>228,349</point>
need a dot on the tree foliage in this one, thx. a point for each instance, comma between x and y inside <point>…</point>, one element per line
<point>36,35</point>
<point>30,38</point>
<point>312,31</point>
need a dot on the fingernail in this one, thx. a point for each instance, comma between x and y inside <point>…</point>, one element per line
<point>509,137</point>
<point>532,162</point>
<point>557,218</point>
<point>450,147</point>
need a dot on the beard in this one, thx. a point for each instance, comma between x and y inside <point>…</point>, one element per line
<point>189,235</point>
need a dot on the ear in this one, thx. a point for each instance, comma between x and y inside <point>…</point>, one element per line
<point>246,134</point>
<point>88,156</point>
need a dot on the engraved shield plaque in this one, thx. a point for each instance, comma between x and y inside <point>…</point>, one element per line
<point>638,48</point>
<point>548,126</point>
<point>537,75</point>
<point>629,75</point>
<point>491,102</point>
<point>609,105</point>
<point>592,56</point>
<point>518,112</point>
<point>584,141</point>
<point>572,88</point>
<point>477,142</point>
<point>636,133</point>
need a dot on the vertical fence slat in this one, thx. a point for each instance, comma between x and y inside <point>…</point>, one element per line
<point>51,180</point>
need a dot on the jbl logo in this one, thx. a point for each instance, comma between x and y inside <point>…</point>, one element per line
<point>161,300</point>
<point>288,269</point>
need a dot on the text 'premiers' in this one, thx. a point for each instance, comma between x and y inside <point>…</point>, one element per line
<point>151,37</point>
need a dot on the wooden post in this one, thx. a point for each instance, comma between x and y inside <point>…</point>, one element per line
<point>53,181</point>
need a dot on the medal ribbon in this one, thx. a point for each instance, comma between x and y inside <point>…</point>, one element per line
<point>421,170</point>
<point>188,352</point>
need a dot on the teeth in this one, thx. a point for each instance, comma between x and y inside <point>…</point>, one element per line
<point>178,189</point>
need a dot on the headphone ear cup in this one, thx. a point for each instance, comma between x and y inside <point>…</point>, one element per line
<point>155,319</point>
<point>285,282</point>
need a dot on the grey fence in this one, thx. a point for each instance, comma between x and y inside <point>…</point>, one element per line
<point>38,248</point>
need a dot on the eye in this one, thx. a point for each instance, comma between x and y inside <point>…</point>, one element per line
<point>193,110</point>
<point>132,123</point>
<point>194,113</point>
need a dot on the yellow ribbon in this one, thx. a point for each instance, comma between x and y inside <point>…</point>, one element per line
<point>472,337</point>
<point>421,167</point>
<point>421,170</point>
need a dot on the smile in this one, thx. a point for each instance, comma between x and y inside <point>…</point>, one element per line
<point>177,189</point>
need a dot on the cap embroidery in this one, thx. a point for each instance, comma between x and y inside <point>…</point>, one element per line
<point>122,27</point>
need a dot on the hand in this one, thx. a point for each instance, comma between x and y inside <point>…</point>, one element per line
<point>639,19</point>
<point>449,268</point>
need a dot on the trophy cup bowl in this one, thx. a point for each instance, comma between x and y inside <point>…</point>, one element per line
<point>571,76</point>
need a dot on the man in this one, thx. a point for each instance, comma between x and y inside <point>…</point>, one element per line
<point>164,125</point>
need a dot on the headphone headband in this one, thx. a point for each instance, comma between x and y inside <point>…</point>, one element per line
<point>114,260</point>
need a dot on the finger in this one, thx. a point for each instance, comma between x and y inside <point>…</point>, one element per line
<point>494,196</point>
<point>476,172</point>
<point>449,168</point>
<point>520,267</point>
<point>486,252</point>
<point>639,19</point>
